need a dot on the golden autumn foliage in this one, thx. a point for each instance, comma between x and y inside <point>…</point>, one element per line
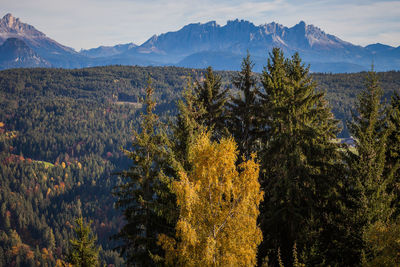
<point>218,209</point>
<point>46,254</point>
<point>15,250</point>
<point>6,135</point>
<point>48,192</point>
<point>29,254</point>
<point>61,263</point>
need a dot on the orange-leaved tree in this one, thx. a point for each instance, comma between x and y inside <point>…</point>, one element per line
<point>218,208</point>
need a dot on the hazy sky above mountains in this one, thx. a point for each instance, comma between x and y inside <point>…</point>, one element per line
<point>90,23</point>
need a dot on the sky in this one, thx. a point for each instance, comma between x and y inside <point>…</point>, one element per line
<point>91,23</point>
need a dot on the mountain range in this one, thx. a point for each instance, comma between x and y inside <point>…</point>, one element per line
<point>198,45</point>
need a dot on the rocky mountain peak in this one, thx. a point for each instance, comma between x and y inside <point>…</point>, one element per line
<point>12,25</point>
<point>311,29</point>
<point>240,25</point>
<point>239,22</point>
<point>301,24</point>
<point>212,23</point>
<point>10,20</point>
<point>196,44</point>
<point>300,28</point>
<point>273,28</point>
<point>305,29</point>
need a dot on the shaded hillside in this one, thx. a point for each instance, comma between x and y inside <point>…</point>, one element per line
<point>14,53</point>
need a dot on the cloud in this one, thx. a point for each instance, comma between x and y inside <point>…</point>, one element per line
<point>90,23</point>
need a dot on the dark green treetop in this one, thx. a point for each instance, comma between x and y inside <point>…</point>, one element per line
<point>83,251</point>
<point>137,196</point>
<point>297,156</point>
<point>372,197</point>
<point>212,98</point>
<point>243,122</point>
<point>370,129</point>
<point>393,149</point>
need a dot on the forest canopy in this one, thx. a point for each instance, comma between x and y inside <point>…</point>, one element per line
<point>62,131</point>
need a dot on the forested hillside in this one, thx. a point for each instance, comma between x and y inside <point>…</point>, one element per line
<point>342,90</point>
<point>61,135</point>
<point>69,128</point>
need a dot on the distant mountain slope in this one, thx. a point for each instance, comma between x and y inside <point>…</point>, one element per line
<point>238,36</point>
<point>57,54</point>
<point>202,44</point>
<point>185,47</point>
<point>14,53</point>
<point>107,51</point>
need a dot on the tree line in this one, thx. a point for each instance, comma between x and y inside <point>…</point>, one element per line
<point>259,177</point>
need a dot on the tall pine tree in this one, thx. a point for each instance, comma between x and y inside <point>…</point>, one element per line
<point>298,157</point>
<point>212,98</point>
<point>83,251</point>
<point>185,129</point>
<point>393,151</point>
<point>137,196</point>
<point>370,130</point>
<point>243,122</point>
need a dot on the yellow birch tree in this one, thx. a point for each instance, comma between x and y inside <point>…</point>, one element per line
<point>218,208</point>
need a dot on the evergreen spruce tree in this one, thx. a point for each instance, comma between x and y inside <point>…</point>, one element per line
<point>185,129</point>
<point>298,157</point>
<point>340,241</point>
<point>83,251</point>
<point>137,197</point>
<point>212,98</point>
<point>370,129</point>
<point>393,151</point>
<point>243,122</point>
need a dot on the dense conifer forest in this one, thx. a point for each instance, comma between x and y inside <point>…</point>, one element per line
<point>103,153</point>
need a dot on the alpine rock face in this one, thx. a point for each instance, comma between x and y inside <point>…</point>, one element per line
<point>213,43</point>
<point>223,47</point>
<point>199,45</point>
<point>57,54</point>
<point>14,53</point>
